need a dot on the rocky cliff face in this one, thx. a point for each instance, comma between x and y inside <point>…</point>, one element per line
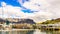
<point>28,21</point>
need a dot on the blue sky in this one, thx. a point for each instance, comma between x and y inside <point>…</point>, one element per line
<point>16,3</point>
<point>11,2</point>
<point>36,9</point>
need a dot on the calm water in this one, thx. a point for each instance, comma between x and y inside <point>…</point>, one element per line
<point>31,32</point>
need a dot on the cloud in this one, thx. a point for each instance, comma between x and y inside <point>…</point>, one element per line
<point>46,9</point>
<point>41,16</point>
<point>36,5</point>
<point>10,11</point>
<point>3,3</point>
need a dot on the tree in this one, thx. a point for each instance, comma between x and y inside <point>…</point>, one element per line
<point>7,22</point>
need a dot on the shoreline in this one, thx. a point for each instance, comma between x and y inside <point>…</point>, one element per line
<point>18,30</point>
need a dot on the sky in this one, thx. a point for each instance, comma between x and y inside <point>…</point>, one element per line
<point>38,10</point>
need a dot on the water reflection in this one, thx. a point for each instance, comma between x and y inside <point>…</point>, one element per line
<point>38,32</point>
<point>53,32</point>
<point>30,32</point>
<point>17,32</point>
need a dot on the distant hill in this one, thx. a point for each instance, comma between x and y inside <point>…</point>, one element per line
<point>17,21</point>
<point>29,21</point>
<point>2,20</point>
<point>52,21</point>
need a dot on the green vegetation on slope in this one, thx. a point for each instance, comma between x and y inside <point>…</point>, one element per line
<point>51,21</point>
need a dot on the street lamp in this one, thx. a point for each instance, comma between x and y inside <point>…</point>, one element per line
<point>3,6</point>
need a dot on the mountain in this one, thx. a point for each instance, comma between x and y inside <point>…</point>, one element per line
<point>28,21</point>
<point>53,21</point>
<point>22,20</point>
<point>2,20</point>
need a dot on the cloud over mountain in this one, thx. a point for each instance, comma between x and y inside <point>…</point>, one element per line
<point>46,9</point>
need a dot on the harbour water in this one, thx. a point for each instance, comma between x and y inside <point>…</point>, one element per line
<point>30,32</point>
